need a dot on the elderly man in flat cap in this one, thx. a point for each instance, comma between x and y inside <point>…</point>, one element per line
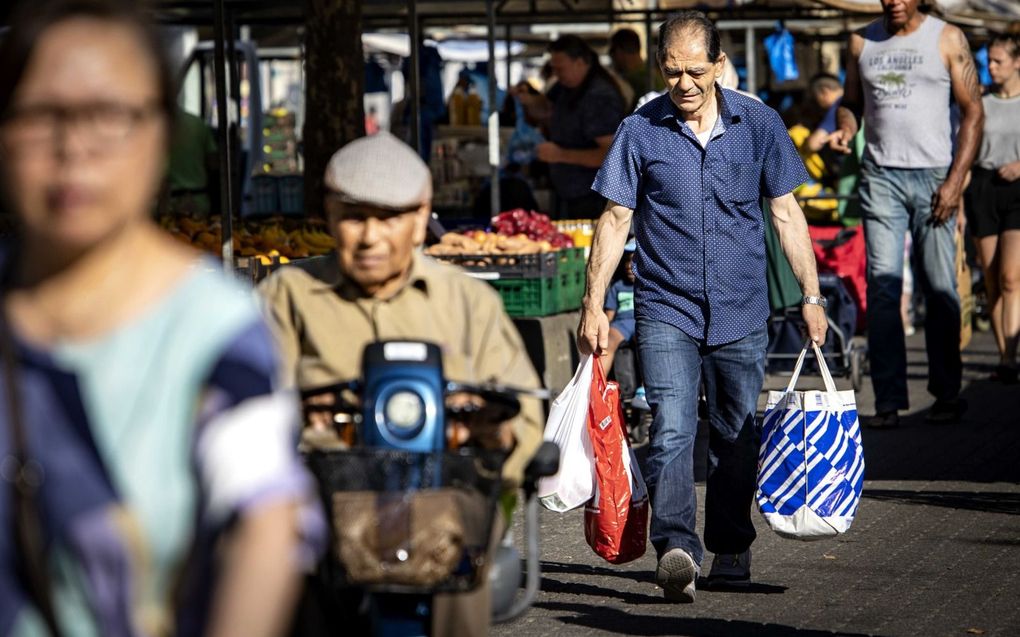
<point>378,286</point>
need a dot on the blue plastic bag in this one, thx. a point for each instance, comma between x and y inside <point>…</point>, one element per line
<point>780,48</point>
<point>811,463</point>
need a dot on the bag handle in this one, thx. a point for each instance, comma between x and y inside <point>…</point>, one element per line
<point>830,386</point>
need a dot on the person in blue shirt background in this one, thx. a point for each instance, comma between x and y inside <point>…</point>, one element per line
<point>619,308</point>
<point>689,169</point>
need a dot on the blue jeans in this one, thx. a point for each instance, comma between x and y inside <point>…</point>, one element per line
<point>895,200</point>
<point>673,365</point>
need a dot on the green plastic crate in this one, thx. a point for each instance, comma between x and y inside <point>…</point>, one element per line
<point>572,260</point>
<point>571,290</point>
<point>529,297</point>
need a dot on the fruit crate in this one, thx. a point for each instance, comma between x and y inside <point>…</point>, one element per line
<point>529,297</point>
<point>507,266</point>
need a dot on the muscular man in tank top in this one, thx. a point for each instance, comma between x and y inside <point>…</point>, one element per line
<point>901,74</point>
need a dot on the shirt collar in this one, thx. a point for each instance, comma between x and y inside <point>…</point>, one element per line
<point>730,112</point>
<point>329,278</point>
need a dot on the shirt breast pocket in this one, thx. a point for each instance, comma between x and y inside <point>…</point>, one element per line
<point>740,182</point>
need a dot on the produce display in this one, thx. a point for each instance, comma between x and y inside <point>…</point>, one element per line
<point>277,237</point>
<point>535,225</point>
<point>480,242</point>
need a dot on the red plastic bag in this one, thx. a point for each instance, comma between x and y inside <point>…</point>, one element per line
<point>616,518</point>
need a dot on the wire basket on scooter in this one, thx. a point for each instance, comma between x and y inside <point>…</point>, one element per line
<point>407,522</point>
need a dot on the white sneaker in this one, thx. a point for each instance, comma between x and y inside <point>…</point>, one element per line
<point>730,569</point>
<point>676,574</point>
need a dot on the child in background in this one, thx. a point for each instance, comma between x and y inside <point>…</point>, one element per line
<point>619,306</point>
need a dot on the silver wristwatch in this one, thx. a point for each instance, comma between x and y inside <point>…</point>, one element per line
<point>814,300</point>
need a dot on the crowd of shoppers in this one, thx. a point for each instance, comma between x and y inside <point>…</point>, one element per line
<point>151,478</point>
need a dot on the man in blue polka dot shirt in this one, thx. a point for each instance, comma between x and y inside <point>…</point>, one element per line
<point>689,170</point>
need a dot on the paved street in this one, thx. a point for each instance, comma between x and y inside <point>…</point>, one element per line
<point>935,548</point>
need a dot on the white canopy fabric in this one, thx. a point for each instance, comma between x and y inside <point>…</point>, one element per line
<point>450,50</point>
<point>997,12</point>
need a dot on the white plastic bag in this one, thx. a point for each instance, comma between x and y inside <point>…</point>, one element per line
<point>567,426</point>
<point>811,463</point>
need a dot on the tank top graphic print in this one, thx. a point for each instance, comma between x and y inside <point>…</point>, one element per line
<point>906,97</point>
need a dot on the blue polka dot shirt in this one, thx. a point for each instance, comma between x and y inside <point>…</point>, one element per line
<point>700,259</point>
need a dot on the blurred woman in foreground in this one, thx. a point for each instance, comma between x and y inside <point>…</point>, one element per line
<point>148,442</point>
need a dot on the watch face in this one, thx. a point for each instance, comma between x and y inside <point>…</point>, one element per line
<point>405,410</point>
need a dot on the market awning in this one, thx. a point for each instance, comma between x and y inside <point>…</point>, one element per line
<point>989,13</point>
<point>449,50</point>
<point>859,6</point>
<point>993,14</point>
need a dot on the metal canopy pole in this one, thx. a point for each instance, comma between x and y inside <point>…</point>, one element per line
<point>222,117</point>
<point>751,57</point>
<point>494,150</point>
<point>649,54</point>
<point>414,95</point>
<point>508,59</point>
<point>234,75</point>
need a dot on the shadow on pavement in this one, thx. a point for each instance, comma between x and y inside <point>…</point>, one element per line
<point>599,592</point>
<point>754,588</point>
<point>982,447</point>
<point>984,501</point>
<point>623,623</point>
<point>587,569</point>
<point>573,587</point>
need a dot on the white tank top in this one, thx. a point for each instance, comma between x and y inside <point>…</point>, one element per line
<point>906,97</point>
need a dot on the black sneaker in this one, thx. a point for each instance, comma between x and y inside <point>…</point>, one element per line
<point>946,412</point>
<point>1004,374</point>
<point>883,420</point>
<point>730,570</point>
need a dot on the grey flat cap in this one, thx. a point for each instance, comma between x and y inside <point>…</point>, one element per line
<point>381,171</point>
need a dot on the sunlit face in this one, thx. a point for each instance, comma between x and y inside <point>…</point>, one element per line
<point>899,12</point>
<point>84,143</point>
<point>570,72</point>
<point>690,76</point>
<point>375,247</point>
<point>1001,65</point>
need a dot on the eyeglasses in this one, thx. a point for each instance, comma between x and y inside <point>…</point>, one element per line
<point>98,126</point>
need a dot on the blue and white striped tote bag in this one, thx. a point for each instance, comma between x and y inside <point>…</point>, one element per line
<point>811,463</point>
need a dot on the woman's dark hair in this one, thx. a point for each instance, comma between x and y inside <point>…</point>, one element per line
<point>33,18</point>
<point>685,22</point>
<point>577,49</point>
<point>1009,40</point>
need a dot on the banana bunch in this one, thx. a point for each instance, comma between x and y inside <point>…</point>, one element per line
<point>317,241</point>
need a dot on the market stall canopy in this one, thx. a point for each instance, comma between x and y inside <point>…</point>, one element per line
<point>449,50</point>
<point>990,13</point>
<point>674,5</point>
<point>859,6</point>
<point>994,14</point>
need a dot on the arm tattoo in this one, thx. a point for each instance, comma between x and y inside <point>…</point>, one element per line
<point>969,76</point>
<point>968,72</point>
